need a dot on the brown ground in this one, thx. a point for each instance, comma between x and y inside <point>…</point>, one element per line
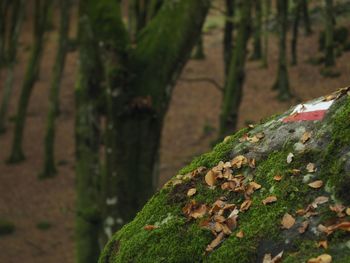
<point>27,201</point>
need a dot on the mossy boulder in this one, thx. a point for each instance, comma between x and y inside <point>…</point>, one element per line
<point>290,194</point>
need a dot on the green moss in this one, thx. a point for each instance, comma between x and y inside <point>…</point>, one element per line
<point>43,225</point>
<point>6,227</point>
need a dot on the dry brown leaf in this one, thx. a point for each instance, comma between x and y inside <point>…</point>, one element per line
<point>215,242</point>
<point>319,200</point>
<point>194,210</point>
<point>316,184</point>
<point>304,225</point>
<point>323,244</point>
<point>269,200</point>
<point>337,208</point>
<point>255,185</point>
<point>239,161</point>
<point>287,221</point>
<point>252,163</point>
<point>324,258</point>
<point>277,259</point>
<point>210,178</point>
<point>150,227</point>
<point>240,234</point>
<point>191,192</point>
<point>228,186</point>
<point>306,136</point>
<point>277,177</point>
<point>290,157</point>
<point>311,168</point>
<point>347,211</point>
<point>295,171</point>
<point>199,212</point>
<point>245,205</point>
<point>176,182</point>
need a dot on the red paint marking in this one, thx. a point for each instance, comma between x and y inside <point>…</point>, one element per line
<point>306,116</point>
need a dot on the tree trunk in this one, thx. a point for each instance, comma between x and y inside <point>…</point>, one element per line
<point>266,15</point>
<point>294,42</point>
<point>234,84</point>
<point>137,106</point>
<point>228,33</point>
<point>16,23</point>
<point>87,127</point>
<point>199,49</point>
<point>282,82</point>
<point>329,34</point>
<point>257,47</point>
<point>32,73</point>
<point>49,169</point>
<point>4,13</point>
<point>306,17</point>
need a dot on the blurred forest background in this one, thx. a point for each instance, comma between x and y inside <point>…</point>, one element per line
<point>91,92</point>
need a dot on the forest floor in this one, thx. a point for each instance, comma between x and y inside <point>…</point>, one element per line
<point>43,210</point>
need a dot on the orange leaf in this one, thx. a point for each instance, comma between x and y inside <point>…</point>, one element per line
<point>215,242</point>
<point>210,178</point>
<point>245,205</point>
<point>269,200</point>
<point>323,244</point>
<point>150,227</point>
<point>240,234</point>
<point>277,178</point>
<point>306,136</point>
<point>287,221</point>
<point>304,225</point>
<point>316,184</point>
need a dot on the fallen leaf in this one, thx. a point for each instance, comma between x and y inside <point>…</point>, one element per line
<point>240,234</point>
<point>150,227</point>
<point>228,186</point>
<point>290,157</point>
<point>324,258</point>
<point>238,161</point>
<point>255,185</point>
<point>252,163</point>
<point>310,167</point>
<point>287,221</point>
<point>319,200</point>
<point>199,212</point>
<point>277,178</point>
<point>269,199</point>
<point>176,182</point>
<point>194,210</point>
<point>245,205</point>
<point>295,171</point>
<point>316,184</point>
<point>215,242</point>
<point>323,244</point>
<point>191,192</point>
<point>306,136</point>
<point>277,259</point>
<point>304,225</point>
<point>347,211</point>
<point>210,178</point>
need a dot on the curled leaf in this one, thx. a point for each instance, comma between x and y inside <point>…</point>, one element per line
<point>306,136</point>
<point>245,205</point>
<point>240,234</point>
<point>287,221</point>
<point>215,242</point>
<point>316,184</point>
<point>324,258</point>
<point>191,192</point>
<point>210,178</point>
<point>269,200</point>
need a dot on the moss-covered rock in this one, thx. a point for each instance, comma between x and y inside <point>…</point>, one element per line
<point>276,158</point>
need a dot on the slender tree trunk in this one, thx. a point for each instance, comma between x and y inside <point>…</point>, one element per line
<point>49,169</point>
<point>329,34</point>
<point>228,33</point>
<point>282,82</point>
<point>306,17</point>
<point>294,42</point>
<point>16,23</point>
<point>266,15</point>
<point>233,88</point>
<point>32,73</point>
<point>257,47</point>
<point>138,16</point>
<point>87,127</point>
<point>199,49</point>
<point>4,12</point>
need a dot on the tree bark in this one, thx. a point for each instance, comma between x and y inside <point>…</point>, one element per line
<point>282,82</point>
<point>266,15</point>
<point>294,42</point>
<point>49,169</point>
<point>228,33</point>
<point>15,29</point>
<point>32,73</point>
<point>329,34</point>
<point>199,49</point>
<point>4,13</point>
<point>235,79</point>
<point>87,132</point>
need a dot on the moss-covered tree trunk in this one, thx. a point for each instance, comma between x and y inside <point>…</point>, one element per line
<point>198,52</point>
<point>306,17</point>
<point>266,15</point>
<point>49,168</point>
<point>228,33</point>
<point>234,83</point>
<point>329,33</point>
<point>18,7</point>
<point>139,92</point>
<point>87,132</point>
<point>257,46</point>
<point>294,41</point>
<point>31,75</point>
<point>282,81</point>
